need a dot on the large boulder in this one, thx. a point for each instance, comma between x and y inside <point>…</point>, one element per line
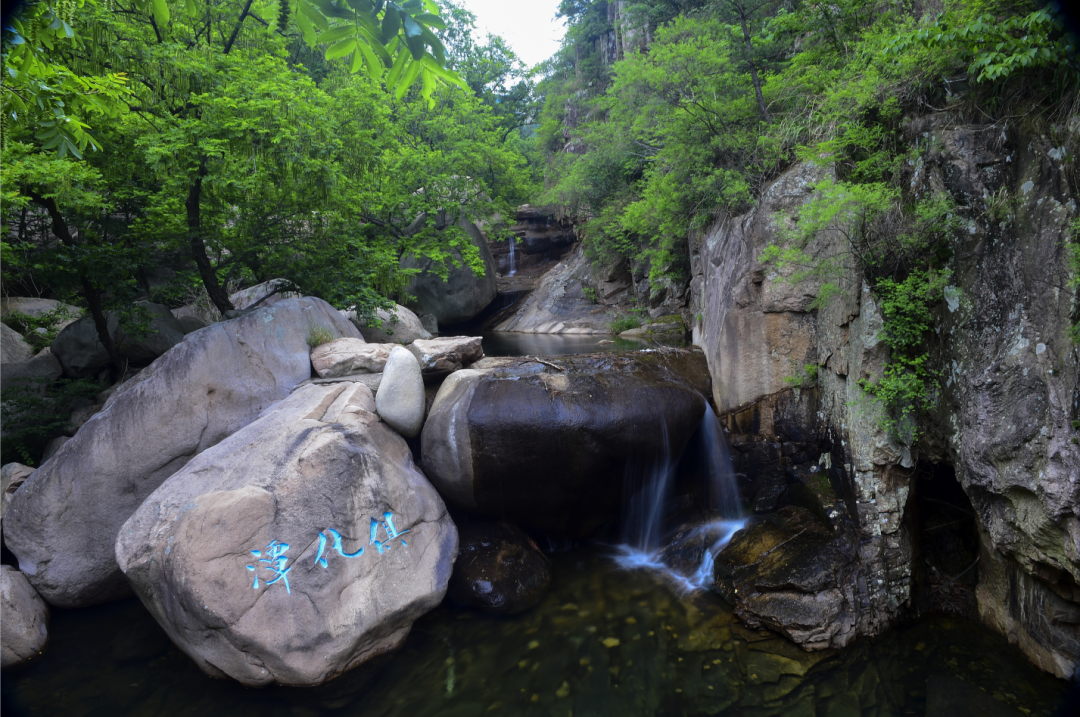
<point>463,294</point>
<point>500,570</point>
<point>401,400</point>
<point>552,451</point>
<point>13,347</point>
<point>79,350</point>
<point>341,357</point>
<point>446,354</point>
<point>63,522</point>
<point>25,626</point>
<point>33,373</point>
<point>164,332</point>
<point>263,294</point>
<point>400,326</point>
<point>299,547</point>
<point>37,307</point>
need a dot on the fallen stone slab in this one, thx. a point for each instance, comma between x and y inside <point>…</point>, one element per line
<point>62,523</point>
<point>298,548</point>
<point>344,356</point>
<point>446,354</point>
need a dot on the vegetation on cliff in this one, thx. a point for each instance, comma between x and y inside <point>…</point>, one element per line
<point>662,117</point>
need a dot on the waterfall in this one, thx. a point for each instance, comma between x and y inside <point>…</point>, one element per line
<point>643,517</point>
<point>513,265</point>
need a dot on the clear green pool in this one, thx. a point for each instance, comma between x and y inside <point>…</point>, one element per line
<point>604,642</point>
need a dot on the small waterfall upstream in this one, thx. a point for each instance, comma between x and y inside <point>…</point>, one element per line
<point>643,518</point>
<point>513,263</point>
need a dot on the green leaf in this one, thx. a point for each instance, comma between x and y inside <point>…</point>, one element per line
<point>161,12</point>
<point>409,77</point>
<point>441,72</point>
<point>396,70</point>
<point>306,28</point>
<point>430,20</point>
<point>318,20</point>
<point>375,66</point>
<point>341,48</point>
<point>377,47</point>
<point>391,23</point>
<point>428,78</point>
<point>416,47</point>
<point>412,28</point>
<point>337,33</point>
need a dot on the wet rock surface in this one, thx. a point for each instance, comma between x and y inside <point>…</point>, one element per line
<point>549,448</point>
<point>62,524</point>
<point>499,569</point>
<point>602,641</point>
<point>296,549</point>
<point>25,626</point>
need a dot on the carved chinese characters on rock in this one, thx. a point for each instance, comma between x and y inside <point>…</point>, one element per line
<point>272,562</point>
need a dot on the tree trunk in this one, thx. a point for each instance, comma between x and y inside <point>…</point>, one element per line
<point>217,294</point>
<point>753,65</point>
<point>93,296</point>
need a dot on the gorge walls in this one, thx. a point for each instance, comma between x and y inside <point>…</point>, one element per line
<point>1007,376</point>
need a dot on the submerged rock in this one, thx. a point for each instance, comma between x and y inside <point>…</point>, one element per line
<point>298,548</point>
<point>62,524</point>
<point>789,573</point>
<point>499,569</point>
<point>551,451</point>
<point>25,625</point>
<point>400,400</point>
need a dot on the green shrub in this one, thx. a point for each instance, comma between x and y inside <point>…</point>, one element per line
<point>34,411</point>
<point>806,379</point>
<point>625,323</point>
<point>319,335</point>
<point>28,326</point>
<point>590,293</point>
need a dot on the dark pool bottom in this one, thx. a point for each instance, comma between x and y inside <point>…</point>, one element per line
<point>604,642</point>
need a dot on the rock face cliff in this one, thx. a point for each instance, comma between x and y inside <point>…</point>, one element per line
<point>1009,390</point>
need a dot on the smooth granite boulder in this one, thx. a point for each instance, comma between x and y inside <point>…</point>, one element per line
<point>499,569</point>
<point>446,354</point>
<point>78,349</point>
<point>34,373</point>
<point>164,332</point>
<point>553,451</point>
<point>400,326</point>
<point>62,524</point>
<point>299,547</point>
<point>344,356</point>
<point>400,400</point>
<point>24,628</point>
<point>13,347</point>
<point>463,294</point>
<point>190,324</point>
<point>37,307</point>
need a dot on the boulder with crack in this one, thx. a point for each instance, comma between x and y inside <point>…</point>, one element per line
<point>298,548</point>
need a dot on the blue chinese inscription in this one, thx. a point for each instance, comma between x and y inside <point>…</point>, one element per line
<point>274,559</point>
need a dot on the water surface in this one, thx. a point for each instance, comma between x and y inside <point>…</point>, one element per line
<point>605,641</point>
<point>512,343</point>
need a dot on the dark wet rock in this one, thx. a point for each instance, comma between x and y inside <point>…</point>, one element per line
<point>463,294</point>
<point>25,625</point>
<point>62,523</point>
<point>549,449</point>
<point>297,548</point>
<point>499,569</point>
<point>787,571</point>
